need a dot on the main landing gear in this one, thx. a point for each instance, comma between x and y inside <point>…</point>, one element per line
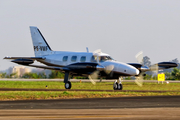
<point>117,85</point>
<point>68,85</point>
<point>66,81</point>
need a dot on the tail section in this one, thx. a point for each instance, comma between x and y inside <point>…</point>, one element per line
<point>41,47</point>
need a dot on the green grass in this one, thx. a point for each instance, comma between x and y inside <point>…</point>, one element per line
<point>21,95</point>
<point>29,95</point>
<point>87,85</point>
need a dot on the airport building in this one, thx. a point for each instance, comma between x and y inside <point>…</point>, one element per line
<point>19,70</point>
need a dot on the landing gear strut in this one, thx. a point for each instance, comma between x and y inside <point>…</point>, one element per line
<point>117,84</point>
<point>67,81</point>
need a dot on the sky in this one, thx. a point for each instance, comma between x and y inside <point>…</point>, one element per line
<point>120,28</point>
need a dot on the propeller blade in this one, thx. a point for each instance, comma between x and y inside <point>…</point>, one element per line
<point>154,68</point>
<point>96,54</point>
<point>108,69</point>
<point>97,51</point>
<point>139,57</point>
<point>139,80</point>
<point>94,75</point>
<point>92,81</point>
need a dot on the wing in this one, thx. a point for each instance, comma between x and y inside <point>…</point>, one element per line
<point>166,65</point>
<point>159,66</point>
<point>50,67</point>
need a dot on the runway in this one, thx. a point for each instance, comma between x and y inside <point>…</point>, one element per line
<point>153,107</point>
<point>92,114</point>
<point>95,103</point>
<point>29,89</point>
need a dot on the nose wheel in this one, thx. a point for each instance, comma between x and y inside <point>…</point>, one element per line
<point>118,85</point>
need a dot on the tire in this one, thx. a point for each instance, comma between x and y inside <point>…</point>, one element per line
<point>68,85</point>
<point>120,87</point>
<point>115,86</point>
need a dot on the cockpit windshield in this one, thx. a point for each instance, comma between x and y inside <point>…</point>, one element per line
<point>101,58</point>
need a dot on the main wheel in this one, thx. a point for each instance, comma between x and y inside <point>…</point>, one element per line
<point>115,86</point>
<point>68,85</point>
<point>120,87</point>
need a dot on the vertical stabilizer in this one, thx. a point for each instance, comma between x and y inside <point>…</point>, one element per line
<point>40,45</point>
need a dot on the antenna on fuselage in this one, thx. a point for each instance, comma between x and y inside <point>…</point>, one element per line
<point>87,49</point>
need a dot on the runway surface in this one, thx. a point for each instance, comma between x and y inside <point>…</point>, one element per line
<point>95,103</point>
<point>92,114</point>
<point>154,107</point>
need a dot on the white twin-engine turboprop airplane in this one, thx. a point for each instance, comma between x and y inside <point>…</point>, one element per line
<point>93,65</point>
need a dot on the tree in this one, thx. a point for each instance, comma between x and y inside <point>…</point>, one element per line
<point>176,73</point>
<point>175,60</point>
<point>146,61</point>
<point>30,75</point>
<point>13,75</point>
<point>42,75</point>
<point>169,76</point>
<point>56,74</point>
<point>3,75</point>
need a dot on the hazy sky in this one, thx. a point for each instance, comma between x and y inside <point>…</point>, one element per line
<point>120,28</point>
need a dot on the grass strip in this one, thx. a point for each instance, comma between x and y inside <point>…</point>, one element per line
<point>36,95</point>
<point>32,95</point>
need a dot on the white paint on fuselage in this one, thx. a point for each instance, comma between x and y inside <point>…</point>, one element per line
<point>120,67</point>
<point>57,59</point>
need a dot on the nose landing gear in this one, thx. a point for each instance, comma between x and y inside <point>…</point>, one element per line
<point>118,85</point>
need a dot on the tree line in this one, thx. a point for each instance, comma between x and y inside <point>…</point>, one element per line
<point>41,75</point>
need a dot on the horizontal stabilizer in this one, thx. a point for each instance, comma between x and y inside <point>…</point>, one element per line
<point>30,58</point>
<point>24,60</point>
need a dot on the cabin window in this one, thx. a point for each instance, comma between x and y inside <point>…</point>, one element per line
<point>65,58</point>
<point>83,59</point>
<point>74,58</point>
<point>94,58</point>
<point>104,58</point>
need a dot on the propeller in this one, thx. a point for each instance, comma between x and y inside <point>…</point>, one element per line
<point>139,80</point>
<point>99,67</point>
<point>139,57</point>
<point>94,75</point>
<point>108,69</point>
<point>154,68</point>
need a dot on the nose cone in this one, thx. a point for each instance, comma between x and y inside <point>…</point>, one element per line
<point>137,72</point>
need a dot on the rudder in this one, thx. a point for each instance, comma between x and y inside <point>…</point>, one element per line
<point>41,47</point>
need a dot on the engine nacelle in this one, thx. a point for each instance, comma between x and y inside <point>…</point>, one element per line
<point>144,69</point>
<point>23,61</point>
